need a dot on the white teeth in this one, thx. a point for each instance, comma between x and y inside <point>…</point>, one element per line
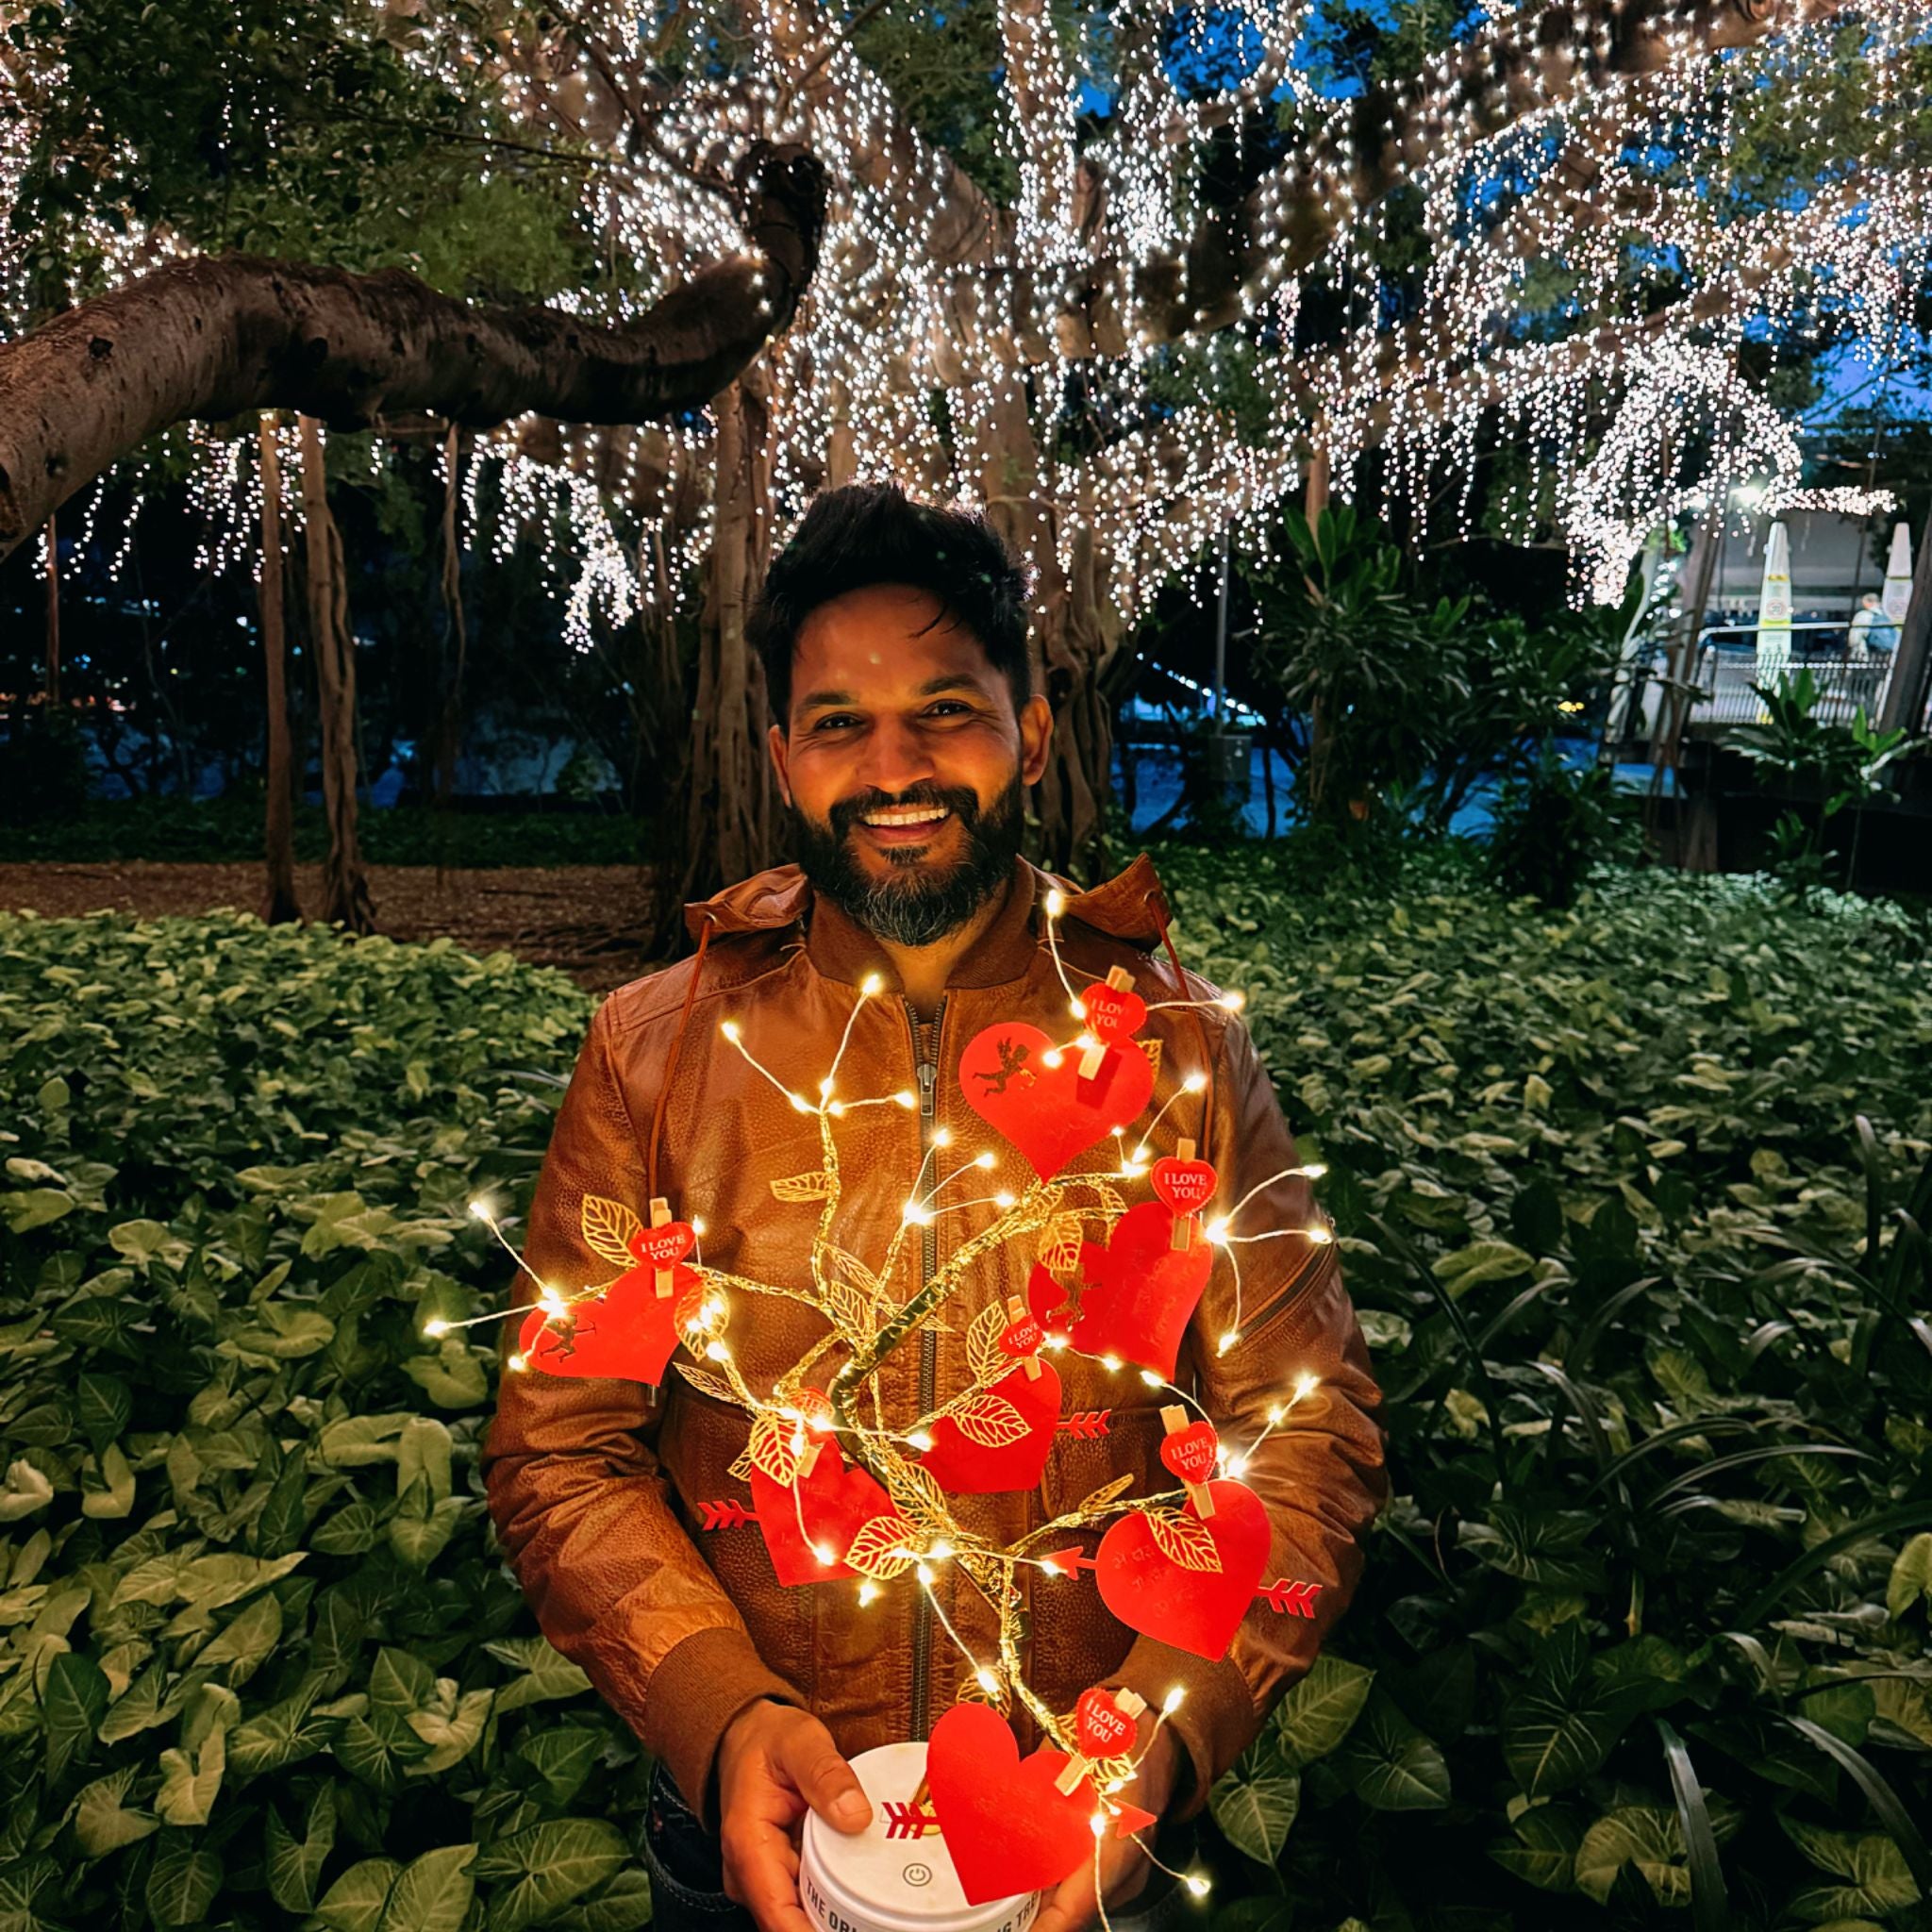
<point>904,818</point>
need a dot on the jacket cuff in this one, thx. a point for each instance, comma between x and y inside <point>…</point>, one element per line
<point>1215,1722</point>
<point>701,1685</point>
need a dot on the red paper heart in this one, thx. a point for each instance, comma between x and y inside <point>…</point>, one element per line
<point>1190,1452</point>
<point>1007,1829</point>
<point>1048,1112</point>
<point>629,1330</point>
<point>836,1502</point>
<point>1113,1014</point>
<point>1197,1610</point>
<point>1141,1291</point>
<point>1105,1730</point>
<point>1186,1186</point>
<point>669,1242</point>
<point>1048,1301</point>
<point>967,1468</point>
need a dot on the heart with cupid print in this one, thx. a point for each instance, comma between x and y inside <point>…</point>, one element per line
<point>826,1511</point>
<point>1007,1829</point>
<point>1141,1291</point>
<point>998,1438</point>
<point>1042,1106</point>
<point>1174,1577</point>
<point>629,1331</point>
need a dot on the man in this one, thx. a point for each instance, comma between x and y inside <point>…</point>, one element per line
<point>1872,631</point>
<point>905,731</point>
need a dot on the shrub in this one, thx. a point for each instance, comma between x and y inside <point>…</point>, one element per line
<point>261,1659</point>
<point>1646,1625</point>
<point>1647,1619</point>
<point>1553,822</point>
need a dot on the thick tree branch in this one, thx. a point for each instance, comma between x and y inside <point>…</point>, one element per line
<point>211,338</point>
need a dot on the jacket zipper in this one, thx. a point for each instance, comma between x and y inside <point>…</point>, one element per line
<point>927,1073</point>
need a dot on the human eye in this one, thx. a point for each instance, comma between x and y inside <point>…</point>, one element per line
<point>838,719</point>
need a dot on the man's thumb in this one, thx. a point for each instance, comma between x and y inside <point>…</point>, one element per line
<point>827,1782</point>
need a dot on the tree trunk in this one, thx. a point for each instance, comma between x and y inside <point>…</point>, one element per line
<point>1074,640</point>
<point>280,903</point>
<point>1904,692</point>
<point>52,612</point>
<point>449,718</point>
<point>211,338</point>
<point>731,826</point>
<point>344,886</point>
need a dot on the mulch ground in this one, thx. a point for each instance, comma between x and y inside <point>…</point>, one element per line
<point>589,920</point>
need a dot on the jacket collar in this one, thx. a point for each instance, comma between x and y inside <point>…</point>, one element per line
<point>1131,907</point>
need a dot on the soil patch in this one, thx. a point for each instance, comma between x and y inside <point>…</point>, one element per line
<point>589,920</point>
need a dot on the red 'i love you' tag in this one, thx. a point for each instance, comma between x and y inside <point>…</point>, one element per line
<point>1190,1452</point>
<point>1103,1729</point>
<point>1113,1014</point>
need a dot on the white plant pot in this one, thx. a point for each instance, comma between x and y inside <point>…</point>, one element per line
<point>867,1882</point>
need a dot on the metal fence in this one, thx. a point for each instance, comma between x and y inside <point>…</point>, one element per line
<point>1845,685</point>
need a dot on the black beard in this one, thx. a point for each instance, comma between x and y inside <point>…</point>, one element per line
<point>919,905</point>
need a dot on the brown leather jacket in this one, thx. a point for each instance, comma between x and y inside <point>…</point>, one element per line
<point>593,1483</point>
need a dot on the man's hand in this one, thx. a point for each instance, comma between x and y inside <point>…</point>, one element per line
<point>1123,1866</point>
<point>774,1763</point>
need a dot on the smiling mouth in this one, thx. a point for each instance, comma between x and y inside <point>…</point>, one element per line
<point>907,827</point>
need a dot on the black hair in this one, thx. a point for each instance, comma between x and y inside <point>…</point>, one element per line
<point>870,533</point>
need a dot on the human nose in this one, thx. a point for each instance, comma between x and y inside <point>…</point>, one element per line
<point>894,759</point>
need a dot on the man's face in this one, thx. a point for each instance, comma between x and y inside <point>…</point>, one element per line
<point>893,704</point>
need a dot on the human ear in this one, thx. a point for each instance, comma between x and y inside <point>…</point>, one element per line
<point>1035,735</point>
<point>780,746</point>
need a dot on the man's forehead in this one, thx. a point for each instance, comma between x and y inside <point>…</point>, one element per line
<point>891,644</point>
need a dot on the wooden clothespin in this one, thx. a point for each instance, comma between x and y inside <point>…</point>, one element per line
<point>1018,1311</point>
<point>1183,1235</point>
<point>1097,1724</point>
<point>1121,981</point>
<point>1193,1467</point>
<point>662,1278</point>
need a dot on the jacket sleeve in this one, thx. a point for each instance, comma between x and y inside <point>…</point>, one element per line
<point>1320,1474</point>
<point>575,1489</point>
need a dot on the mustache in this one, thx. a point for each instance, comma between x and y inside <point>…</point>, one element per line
<point>963,805</point>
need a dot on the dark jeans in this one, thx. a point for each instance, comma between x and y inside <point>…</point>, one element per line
<point>687,1874</point>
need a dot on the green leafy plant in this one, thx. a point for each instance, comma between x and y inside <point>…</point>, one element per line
<point>1834,765</point>
<point>1645,1630</point>
<point>261,1663</point>
<point>1553,824</point>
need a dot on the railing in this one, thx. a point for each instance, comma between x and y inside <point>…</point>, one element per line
<point>1845,685</point>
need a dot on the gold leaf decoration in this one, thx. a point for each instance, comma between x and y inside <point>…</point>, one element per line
<point>1152,1049</point>
<point>989,1420</point>
<point>1106,1493</point>
<point>850,1268</point>
<point>771,1450</point>
<point>708,1384</point>
<point>921,1478</point>
<point>983,1352</point>
<point>607,1227</point>
<point>1059,1253</point>
<point>1183,1539</point>
<point>851,1310</point>
<point>741,1467</point>
<point>1110,1198</point>
<point>879,1550</point>
<point>815,1186</point>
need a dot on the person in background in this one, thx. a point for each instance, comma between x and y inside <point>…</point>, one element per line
<point>1872,631</point>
